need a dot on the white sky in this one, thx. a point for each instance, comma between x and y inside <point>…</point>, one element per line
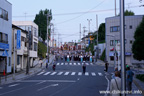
<point>68,25</point>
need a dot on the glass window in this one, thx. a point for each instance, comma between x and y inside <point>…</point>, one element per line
<point>112,58</point>
<point>6,38</point>
<point>0,37</point>
<point>130,26</point>
<point>131,41</point>
<point>9,61</point>
<point>0,12</point>
<point>114,29</point>
<point>111,42</point>
<point>35,46</point>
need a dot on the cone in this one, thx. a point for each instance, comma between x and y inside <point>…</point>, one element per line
<point>4,73</point>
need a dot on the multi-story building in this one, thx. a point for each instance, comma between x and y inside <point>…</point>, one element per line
<point>113,36</point>
<point>5,35</point>
<point>19,48</point>
<point>32,28</point>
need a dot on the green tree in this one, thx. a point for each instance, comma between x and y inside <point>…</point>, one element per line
<point>138,45</point>
<point>128,13</point>
<point>101,30</point>
<point>41,21</point>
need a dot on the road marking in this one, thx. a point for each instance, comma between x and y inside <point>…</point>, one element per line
<point>13,85</point>
<point>93,74</point>
<point>87,63</point>
<point>66,73</point>
<point>108,85</point>
<point>47,73</point>
<point>62,63</point>
<point>40,73</point>
<point>57,63</point>
<point>80,73</point>
<point>41,82</point>
<point>60,73</point>
<point>70,63</point>
<point>66,63</point>
<point>100,74</point>
<point>78,63</point>
<point>53,73</point>
<point>52,85</point>
<point>74,63</point>
<point>86,73</point>
<point>91,63</point>
<point>69,81</point>
<point>73,73</point>
<point>1,88</point>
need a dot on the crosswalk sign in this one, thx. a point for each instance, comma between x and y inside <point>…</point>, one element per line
<point>5,53</point>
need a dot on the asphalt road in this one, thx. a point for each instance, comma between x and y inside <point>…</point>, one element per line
<point>66,80</point>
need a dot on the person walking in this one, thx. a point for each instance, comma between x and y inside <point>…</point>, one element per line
<point>84,67</point>
<point>129,75</point>
<point>106,66</point>
<point>115,85</point>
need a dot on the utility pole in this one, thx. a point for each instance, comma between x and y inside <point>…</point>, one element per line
<point>115,7</point>
<point>14,55</point>
<point>122,34</point>
<point>84,35</point>
<point>80,36</point>
<point>47,38</point>
<point>28,43</point>
<point>89,23</point>
<point>97,37</point>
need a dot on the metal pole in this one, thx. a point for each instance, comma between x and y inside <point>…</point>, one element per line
<point>115,7</point>
<point>97,37</point>
<point>27,69</point>
<point>84,36</point>
<point>89,24</point>
<point>14,55</point>
<point>122,33</point>
<point>47,39</point>
<point>80,36</point>
<point>114,53</point>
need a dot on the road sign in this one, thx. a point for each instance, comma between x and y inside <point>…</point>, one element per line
<point>18,39</point>
<point>5,53</point>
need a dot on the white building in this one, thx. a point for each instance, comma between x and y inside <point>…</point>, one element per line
<point>113,33</point>
<point>32,28</point>
<point>21,52</point>
<point>5,35</point>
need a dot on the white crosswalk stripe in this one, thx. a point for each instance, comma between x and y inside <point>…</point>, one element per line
<point>60,73</point>
<point>70,63</point>
<point>62,63</point>
<point>66,63</point>
<point>53,73</point>
<point>91,63</point>
<point>66,73</point>
<point>73,73</point>
<point>80,73</point>
<point>47,73</point>
<point>74,63</point>
<point>57,63</point>
<point>100,74</point>
<point>93,74</point>
<point>78,63</point>
<point>40,73</point>
<point>87,63</point>
<point>86,73</point>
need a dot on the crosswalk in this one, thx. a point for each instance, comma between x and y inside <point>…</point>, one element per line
<point>74,64</point>
<point>71,73</point>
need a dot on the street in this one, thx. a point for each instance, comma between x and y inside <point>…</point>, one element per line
<point>66,80</point>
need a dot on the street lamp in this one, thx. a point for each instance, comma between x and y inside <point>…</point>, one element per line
<point>89,23</point>
<point>114,50</point>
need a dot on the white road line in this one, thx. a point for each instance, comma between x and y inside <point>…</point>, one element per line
<point>71,81</point>
<point>73,73</point>
<point>52,85</point>
<point>57,63</point>
<point>80,73</point>
<point>13,85</point>
<point>60,73</point>
<point>66,63</point>
<point>100,74</point>
<point>86,73</point>
<point>66,73</point>
<point>108,86</point>
<point>47,73</point>
<point>70,63</point>
<point>1,88</point>
<point>62,63</point>
<point>91,63</point>
<point>78,63</point>
<point>93,74</point>
<point>53,73</point>
<point>74,63</point>
<point>41,82</point>
<point>40,73</point>
<point>87,63</point>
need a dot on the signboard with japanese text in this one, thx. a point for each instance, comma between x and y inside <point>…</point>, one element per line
<point>18,39</point>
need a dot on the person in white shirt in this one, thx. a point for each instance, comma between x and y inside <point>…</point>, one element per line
<point>115,85</point>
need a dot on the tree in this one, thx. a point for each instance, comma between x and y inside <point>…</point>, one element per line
<point>101,32</point>
<point>41,21</point>
<point>128,13</point>
<point>138,45</point>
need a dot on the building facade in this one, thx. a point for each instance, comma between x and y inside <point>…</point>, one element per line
<point>32,28</point>
<point>5,35</point>
<point>19,53</point>
<point>113,38</point>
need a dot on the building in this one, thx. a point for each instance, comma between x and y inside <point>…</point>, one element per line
<point>5,35</point>
<point>32,28</point>
<point>21,52</point>
<point>113,34</point>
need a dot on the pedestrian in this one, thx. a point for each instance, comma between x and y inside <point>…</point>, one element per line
<point>84,67</point>
<point>129,75</point>
<point>68,58</point>
<point>115,85</point>
<point>81,58</point>
<point>90,58</point>
<point>106,66</point>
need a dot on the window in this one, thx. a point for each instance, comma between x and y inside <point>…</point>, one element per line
<point>0,37</point>
<point>114,29</point>
<point>131,41</point>
<point>112,58</point>
<point>125,41</point>
<point>3,37</point>
<point>0,12</point>
<point>35,46</point>
<point>9,61</point>
<point>111,42</point>
<point>18,59</point>
<point>23,39</point>
<point>130,26</point>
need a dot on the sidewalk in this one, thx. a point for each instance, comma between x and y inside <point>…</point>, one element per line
<point>137,84</point>
<point>22,74</point>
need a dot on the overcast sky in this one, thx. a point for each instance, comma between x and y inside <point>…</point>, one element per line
<point>68,24</point>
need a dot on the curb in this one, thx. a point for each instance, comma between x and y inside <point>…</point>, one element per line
<point>139,87</point>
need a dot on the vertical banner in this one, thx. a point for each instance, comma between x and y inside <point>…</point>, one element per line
<point>18,39</point>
